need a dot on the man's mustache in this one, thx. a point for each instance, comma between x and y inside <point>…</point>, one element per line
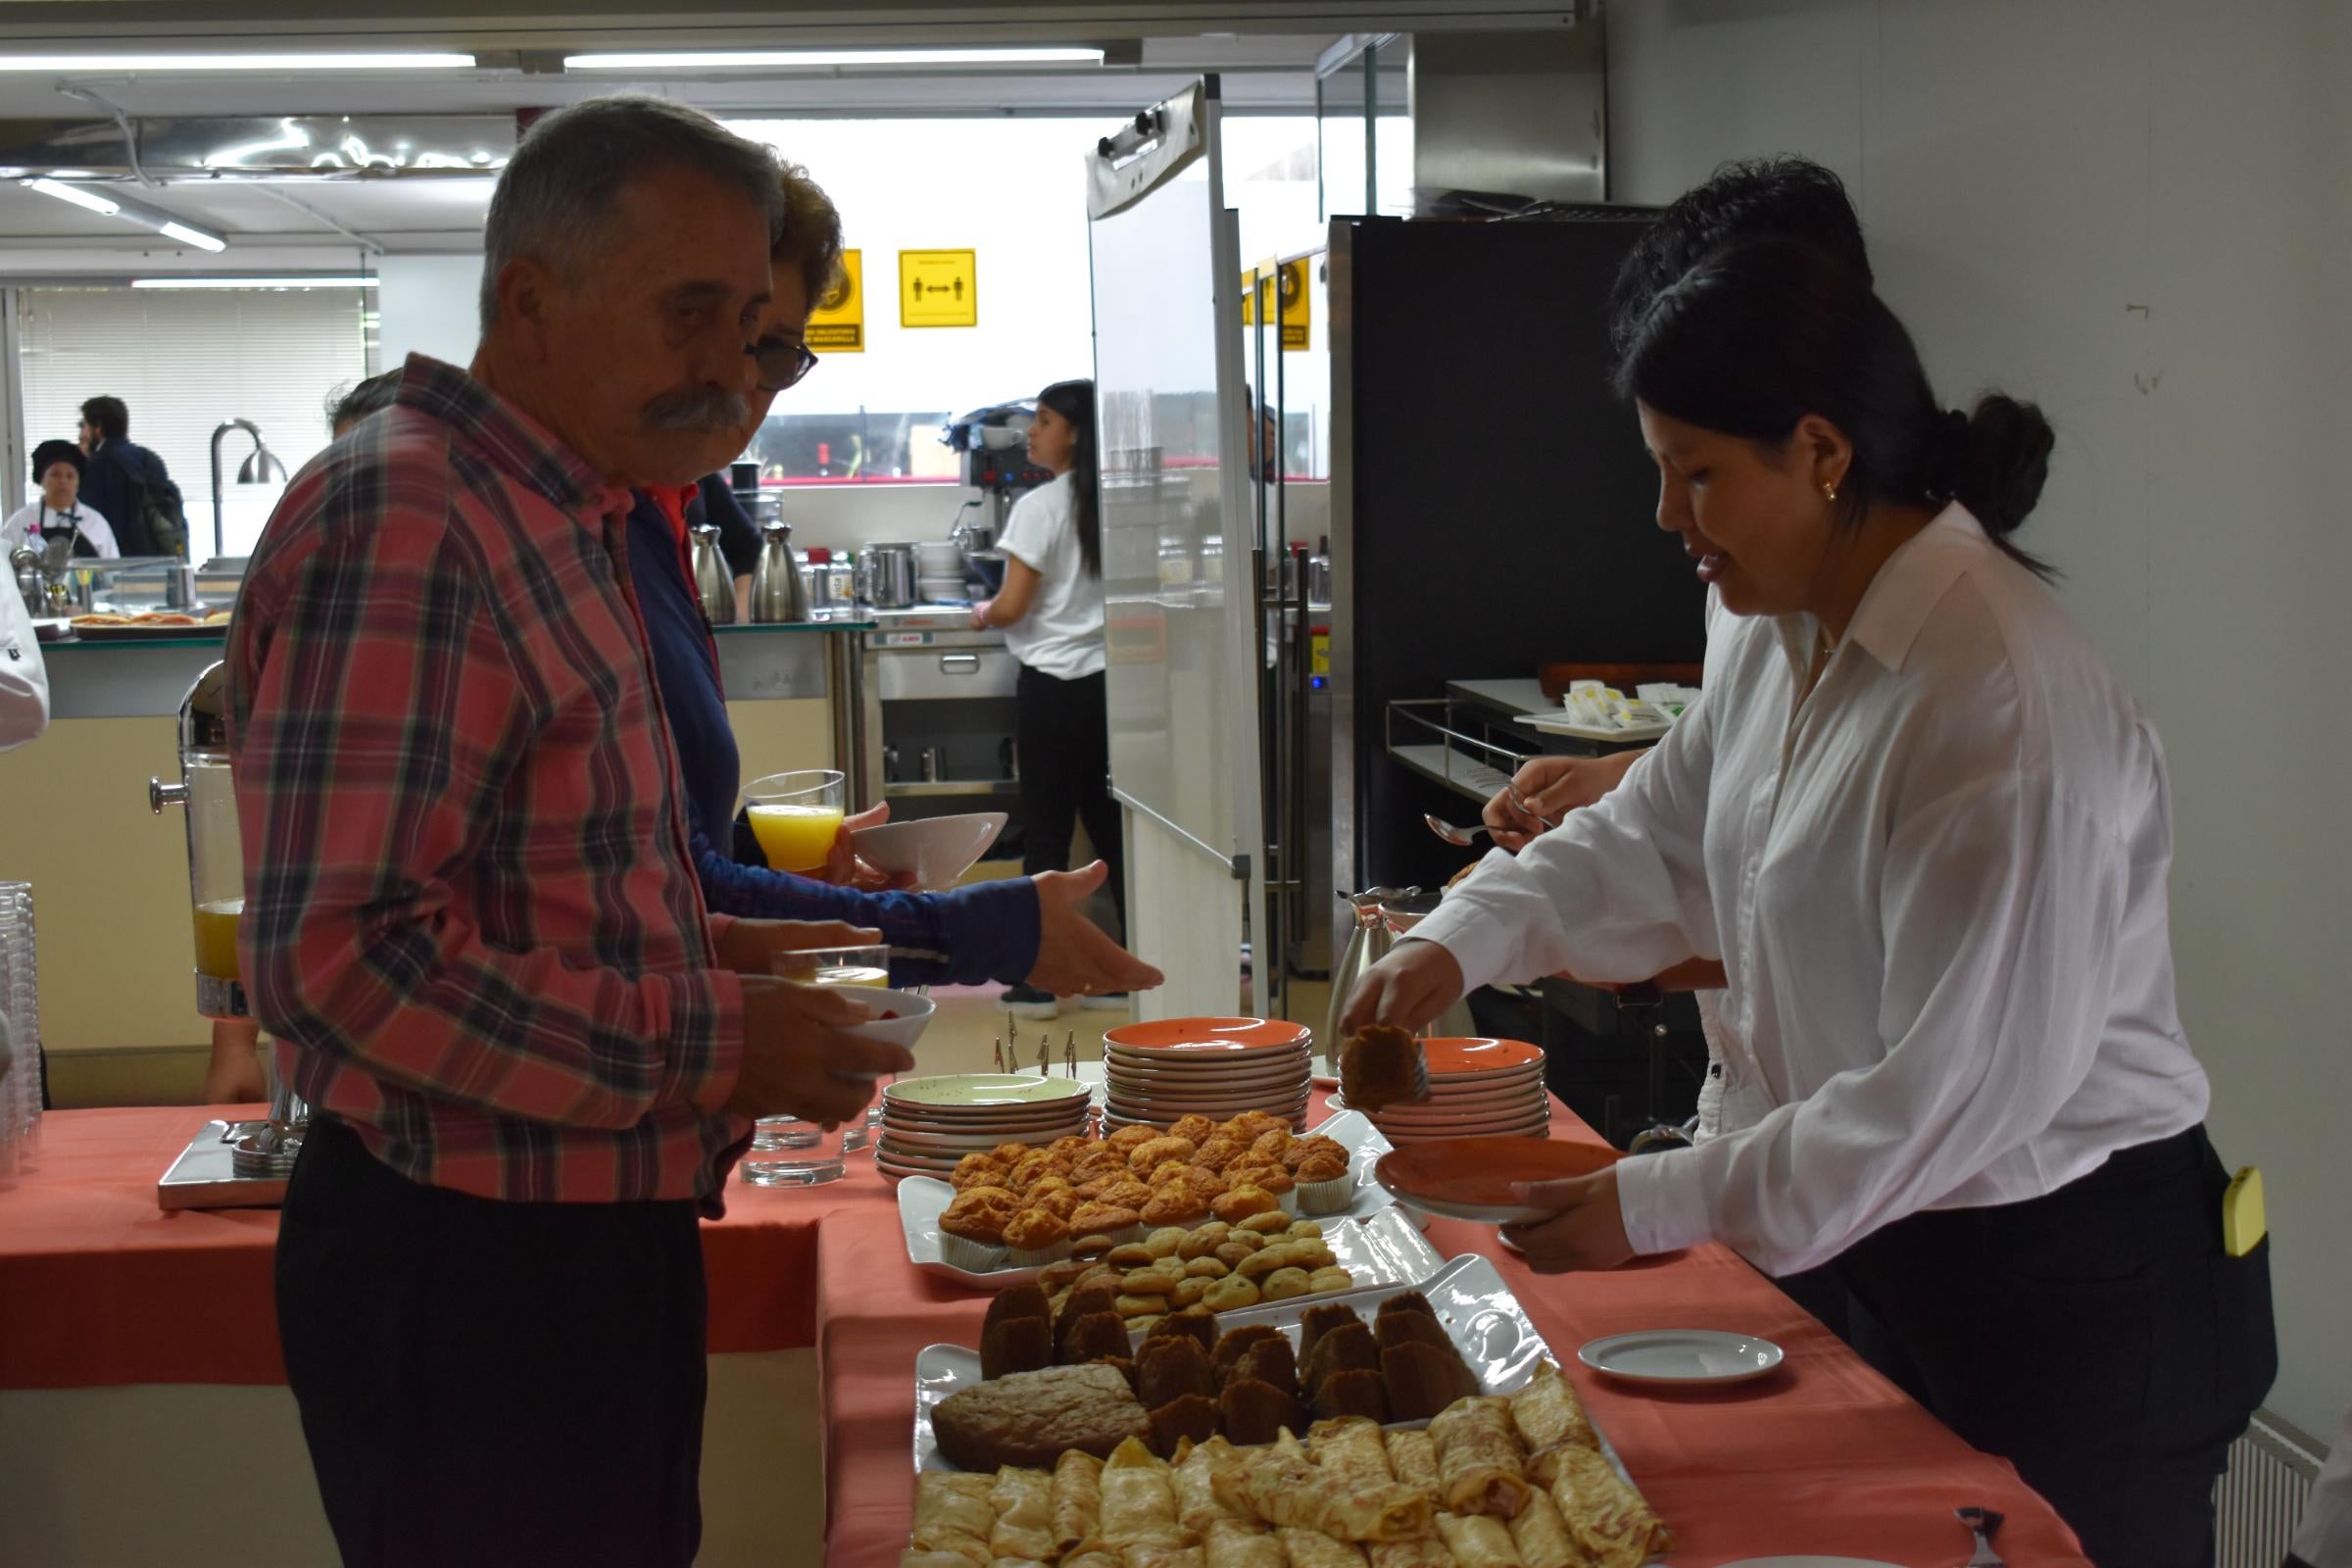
<point>696,409</point>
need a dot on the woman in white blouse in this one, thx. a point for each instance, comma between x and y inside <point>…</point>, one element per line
<point>1926,830</point>
<point>60,513</point>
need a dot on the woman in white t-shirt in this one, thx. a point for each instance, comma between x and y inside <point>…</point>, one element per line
<point>1051,612</point>
<point>60,513</point>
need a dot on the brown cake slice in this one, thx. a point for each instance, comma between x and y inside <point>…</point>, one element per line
<point>1094,1338</point>
<point>1410,1328</point>
<point>1424,1379</point>
<point>1232,1345</point>
<point>1382,1066</point>
<point>1351,1391</point>
<point>1256,1412</point>
<point>1169,1368</point>
<point>1347,1347</point>
<point>1318,1321</point>
<point>1016,1344</point>
<point>1028,1419</point>
<point>1269,1361</point>
<point>1194,1416</point>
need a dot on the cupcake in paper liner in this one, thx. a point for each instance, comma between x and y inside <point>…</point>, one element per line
<point>1326,1183</point>
<point>971,1230</point>
<point>1115,1220</point>
<point>1036,1238</point>
<point>1279,1182</point>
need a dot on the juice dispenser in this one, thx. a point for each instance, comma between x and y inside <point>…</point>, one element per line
<point>258,1150</point>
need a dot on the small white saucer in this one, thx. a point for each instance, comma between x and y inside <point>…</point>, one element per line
<point>1681,1358</point>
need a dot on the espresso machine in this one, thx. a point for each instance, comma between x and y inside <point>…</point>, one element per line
<point>229,1163</point>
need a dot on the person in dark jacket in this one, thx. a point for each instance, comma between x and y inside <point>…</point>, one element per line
<point>1026,929</point>
<point>121,478</point>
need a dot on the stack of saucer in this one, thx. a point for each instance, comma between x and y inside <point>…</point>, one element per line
<point>939,570</point>
<point>1218,1067</point>
<point>1477,1089</point>
<point>928,1124</point>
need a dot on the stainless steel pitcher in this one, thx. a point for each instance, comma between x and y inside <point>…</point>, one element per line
<point>1367,945</point>
<point>777,593</point>
<point>714,584</point>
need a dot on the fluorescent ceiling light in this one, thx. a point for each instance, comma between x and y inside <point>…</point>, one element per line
<point>194,281</point>
<point>89,199</point>
<point>761,58</point>
<point>130,211</point>
<point>192,236</point>
<point>346,60</point>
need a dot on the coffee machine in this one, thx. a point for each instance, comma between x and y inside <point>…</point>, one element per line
<point>230,1164</point>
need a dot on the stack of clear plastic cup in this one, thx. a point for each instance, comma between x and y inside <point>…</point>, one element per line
<point>20,1001</point>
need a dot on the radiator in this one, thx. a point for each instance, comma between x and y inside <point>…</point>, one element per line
<point>2260,1497</point>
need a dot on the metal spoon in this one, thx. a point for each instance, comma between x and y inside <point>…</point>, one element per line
<point>1461,836</point>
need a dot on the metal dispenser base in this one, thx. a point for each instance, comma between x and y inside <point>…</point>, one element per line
<point>208,1174</point>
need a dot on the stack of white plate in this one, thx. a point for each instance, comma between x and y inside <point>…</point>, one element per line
<point>928,1124</point>
<point>939,572</point>
<point>1155,1072</point>
<point>1477,1089</point>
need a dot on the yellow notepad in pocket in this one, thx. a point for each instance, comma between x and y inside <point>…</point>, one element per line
<point>2243,1224</point>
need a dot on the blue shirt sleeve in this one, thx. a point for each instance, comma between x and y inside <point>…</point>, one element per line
<point>973,935</point>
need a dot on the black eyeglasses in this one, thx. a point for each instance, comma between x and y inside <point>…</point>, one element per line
<point>783,362</point>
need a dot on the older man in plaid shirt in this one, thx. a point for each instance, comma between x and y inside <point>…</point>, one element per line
<point>471,918</point>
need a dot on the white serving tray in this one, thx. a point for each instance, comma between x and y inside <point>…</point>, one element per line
<point>1482,1317</point>
<point>923,1198</point>
<point>1561,724</point>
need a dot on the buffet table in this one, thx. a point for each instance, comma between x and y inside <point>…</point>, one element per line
<point>98,1288</point>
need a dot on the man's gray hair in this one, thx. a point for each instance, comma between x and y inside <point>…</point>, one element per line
<point>554,201</point>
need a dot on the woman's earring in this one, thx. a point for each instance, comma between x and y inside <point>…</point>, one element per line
<point>1829,488</point>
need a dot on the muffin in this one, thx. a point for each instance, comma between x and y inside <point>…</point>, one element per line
<point>1242,1202</point>
<point>1030,1169</point>
<point>972,1229</point>
<point>1034,1237</point>
<point>1148,1155</point>
<point>1069,1146</point>
<point>1127,1194</point>
<point>1194,1126</point>
<point>1113,1220</point>
<point>1127,1139</point>
<point>1010,1154</point>
<point>977,1170</point>
<point>1269,1147</point>
<point>1301,1150</point>
<point>1166,1171</point>
<point>1210,1185</point>
<point>1056,1197</point>
<point>1176,1203</point>
<point>1274,1179</point>
<point>1325,1184</point>
<point>1221,1150</point>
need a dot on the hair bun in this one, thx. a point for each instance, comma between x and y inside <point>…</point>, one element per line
<point>2003,461</point>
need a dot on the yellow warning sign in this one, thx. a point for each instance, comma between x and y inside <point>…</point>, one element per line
<point>838,324</point>
<point>939,288</point>
<point>1276,291</point>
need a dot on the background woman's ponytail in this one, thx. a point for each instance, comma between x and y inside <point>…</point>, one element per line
<point>2000,467</point>
<point>1074,400</point>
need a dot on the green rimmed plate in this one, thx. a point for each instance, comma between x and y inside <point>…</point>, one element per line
<point>984,1091</point>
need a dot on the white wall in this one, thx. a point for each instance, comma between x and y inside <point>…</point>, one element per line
<point>2137,212</point>
<point>428,305</point>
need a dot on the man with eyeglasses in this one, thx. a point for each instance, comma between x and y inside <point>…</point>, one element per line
<point>473,921</point>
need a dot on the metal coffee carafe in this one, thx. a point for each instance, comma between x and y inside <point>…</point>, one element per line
<point>25,563</point>
<point>714,584</point>
<point>777,594</point>
<point>1367,945</point>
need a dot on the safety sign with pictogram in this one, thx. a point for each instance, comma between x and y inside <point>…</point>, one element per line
<point>939,288</point>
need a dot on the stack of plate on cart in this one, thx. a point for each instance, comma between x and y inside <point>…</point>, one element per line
<point>1477,1089</point>
<point>1154,1073</point>
<point>928,1124</point>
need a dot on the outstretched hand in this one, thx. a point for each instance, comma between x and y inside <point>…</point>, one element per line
<point>1076,957</point>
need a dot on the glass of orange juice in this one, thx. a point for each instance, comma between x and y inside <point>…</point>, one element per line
<point>867,966</point>
<point>217,921</point>
<point>796,817</point>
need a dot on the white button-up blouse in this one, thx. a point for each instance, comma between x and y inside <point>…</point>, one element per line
<point>1938,888</point>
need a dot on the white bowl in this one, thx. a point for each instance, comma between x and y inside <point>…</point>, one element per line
<point>913,1015</point>
<point>934,849</point>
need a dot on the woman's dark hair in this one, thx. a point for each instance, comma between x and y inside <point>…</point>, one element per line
<point>1074,400</point>
<point>1755,198</point>
<point>352,403</point>
<point>49,454</point>
<point>1761,334</point>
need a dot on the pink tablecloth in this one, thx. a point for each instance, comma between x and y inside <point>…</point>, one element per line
<point>1825,1456</point>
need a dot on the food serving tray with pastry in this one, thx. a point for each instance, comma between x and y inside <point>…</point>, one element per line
<point>1391,1426</point>
<point>101,626</point>
<point>1004,1213</point>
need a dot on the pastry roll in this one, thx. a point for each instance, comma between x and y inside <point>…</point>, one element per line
<point>1138,1507</point>
<point>911,1558</point>
<point>1093,1557</point>
<point>1239,1543</point>
<point>1308,1548</point>
<point>1427,1552</point>
<point>1195,1481</point>
<point>1077,1500</point>
<point>1605,1516</point>
<point>1479,1467</point>
<point>952,1514</point>
<point>1547,1411</point>
<point>1023,1500</point>
<point>1542,1536</point>
<point>1413,1459</point>
<point>1477,1542</point>
<point>1161,1556</point>
<point>1282,1486</point>
<point>1350,1448</point>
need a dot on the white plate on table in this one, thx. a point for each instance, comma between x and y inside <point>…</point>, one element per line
<point>1385,1248</point>
<point>1683,1358</point>
<point>1480,1314</point>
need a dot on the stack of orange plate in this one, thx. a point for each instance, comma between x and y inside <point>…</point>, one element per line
<point>1217,1067</point>
<point>1478,1087</point>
